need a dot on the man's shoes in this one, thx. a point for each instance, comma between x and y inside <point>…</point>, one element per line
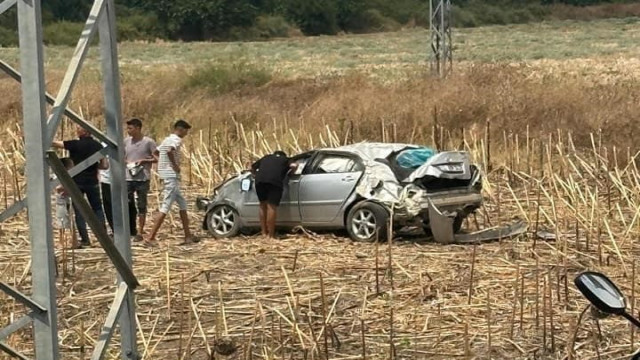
<point>137,238</point>
<point>190,240</point>
<point>86,243</point>
<point>149,244</point>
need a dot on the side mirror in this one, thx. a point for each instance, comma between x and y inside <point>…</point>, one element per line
<point>245,184</point>
<point>601,292</point>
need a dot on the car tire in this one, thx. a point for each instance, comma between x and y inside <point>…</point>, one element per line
<point>223,221</point>
<point>363,220</point>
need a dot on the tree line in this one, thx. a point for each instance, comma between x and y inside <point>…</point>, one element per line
<point>255,19</point>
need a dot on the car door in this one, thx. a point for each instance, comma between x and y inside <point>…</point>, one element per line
<point>288,211</point>
<point>249,206</point>
<point>324,189</point>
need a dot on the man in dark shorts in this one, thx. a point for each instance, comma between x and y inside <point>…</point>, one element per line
<point>270,172</point>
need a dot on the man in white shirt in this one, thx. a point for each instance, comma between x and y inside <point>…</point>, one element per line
<point>169,171</point>
<point>104,177</point>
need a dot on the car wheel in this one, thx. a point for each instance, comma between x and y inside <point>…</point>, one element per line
<point>223,222</point>
<point>365,219</point>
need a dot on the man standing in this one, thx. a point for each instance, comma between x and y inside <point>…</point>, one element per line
<point>87,180</point>
<point>140,156</point>
<point>104,177</point>
<point>169,172</point>
<point>270,172</point>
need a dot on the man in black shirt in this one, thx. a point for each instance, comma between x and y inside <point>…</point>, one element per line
<point>87,180</point>
<point>270,172</point>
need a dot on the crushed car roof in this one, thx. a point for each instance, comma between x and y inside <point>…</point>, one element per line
<point>374,150</point>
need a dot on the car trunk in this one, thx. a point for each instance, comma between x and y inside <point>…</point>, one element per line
<point>435,172</point>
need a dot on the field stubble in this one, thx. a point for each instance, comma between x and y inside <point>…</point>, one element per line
<point>513,298</point>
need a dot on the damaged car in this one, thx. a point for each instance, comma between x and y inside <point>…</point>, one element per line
<point>357,187</point>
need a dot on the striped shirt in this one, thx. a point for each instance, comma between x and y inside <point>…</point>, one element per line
<point>165,170</point>
<point>104,175</point>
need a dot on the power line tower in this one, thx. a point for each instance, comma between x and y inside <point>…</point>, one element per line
<point>440,30</point>
<point>40,127</point>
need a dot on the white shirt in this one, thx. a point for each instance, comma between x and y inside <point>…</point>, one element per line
<point>165,170</point>
<point>104,175</point>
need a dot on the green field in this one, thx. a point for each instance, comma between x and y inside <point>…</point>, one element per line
<point>374,53</point>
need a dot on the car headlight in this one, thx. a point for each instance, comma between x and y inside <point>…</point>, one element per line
<point>452,168</point>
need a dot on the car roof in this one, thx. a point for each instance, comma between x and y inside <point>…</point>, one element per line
<point>371,150</point>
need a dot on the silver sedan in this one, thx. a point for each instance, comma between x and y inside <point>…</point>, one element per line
<point>356,187</point>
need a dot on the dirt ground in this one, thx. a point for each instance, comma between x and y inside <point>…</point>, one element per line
<point>270,297</point>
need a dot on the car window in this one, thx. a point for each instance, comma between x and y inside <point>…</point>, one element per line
<point>336,164</point>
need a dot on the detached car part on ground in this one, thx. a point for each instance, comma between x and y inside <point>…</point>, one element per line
<point>358,188</point>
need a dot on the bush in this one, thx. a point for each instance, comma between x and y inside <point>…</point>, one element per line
<point>373,20</point>
<point>64,33</point>
<point>134,27</point>
<point>490,14</point>
<point>476,13</point>
<point>8,37</point>
<point>370,20</point>
<point>529,13</point>
<point>565,12</point>
<point>139,27</point>
<point>314,17</point>
<point>421,18</point>
<point>269,26</point>
<point>200,19</point>
<point>237,33</point>
<point>404,11</point>
<point>520,16</point>
<point>9,18</point>
<point>462,17</point>
<point>224,78</point>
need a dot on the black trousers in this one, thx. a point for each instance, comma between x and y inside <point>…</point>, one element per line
<point>108,208</point>
<point>92,193</point>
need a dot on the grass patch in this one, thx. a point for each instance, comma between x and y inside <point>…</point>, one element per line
<point>64,33</point>
<point>8,37</point>
<point>307,56</point>
<point>223,78</point>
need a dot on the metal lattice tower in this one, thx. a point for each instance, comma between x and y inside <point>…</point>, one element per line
<point>39,131</point>
<point>440,30</point>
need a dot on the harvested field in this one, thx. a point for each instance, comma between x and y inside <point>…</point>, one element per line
<point>512,298</point>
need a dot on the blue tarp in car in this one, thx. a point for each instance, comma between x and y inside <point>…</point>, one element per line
<point>414,158</point>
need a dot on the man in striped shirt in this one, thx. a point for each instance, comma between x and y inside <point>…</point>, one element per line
<point>169,172</point>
